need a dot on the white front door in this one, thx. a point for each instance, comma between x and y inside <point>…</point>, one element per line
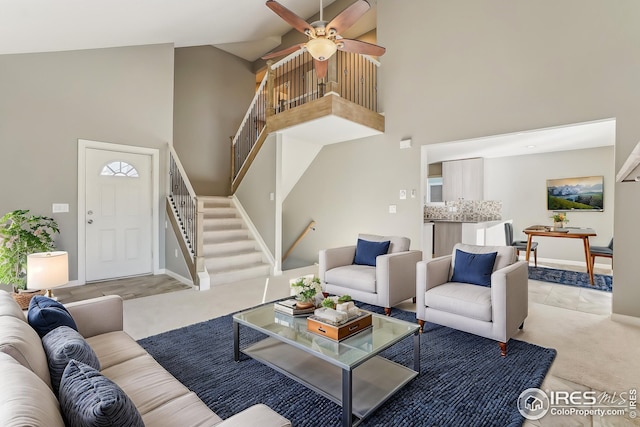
<point>118,214</point>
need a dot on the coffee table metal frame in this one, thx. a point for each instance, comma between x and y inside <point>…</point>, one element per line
<point>350,372</point>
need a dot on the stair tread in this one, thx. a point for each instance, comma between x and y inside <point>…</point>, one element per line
<point>230,252</point>
<point>242,252</point>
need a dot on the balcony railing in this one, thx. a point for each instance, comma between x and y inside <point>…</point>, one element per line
<point>292,82</point>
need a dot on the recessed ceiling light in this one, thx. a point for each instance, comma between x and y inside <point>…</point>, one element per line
<point>531,146</point>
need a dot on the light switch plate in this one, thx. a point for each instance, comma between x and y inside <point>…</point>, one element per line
<point>60,207</point>
<point>392,208</point>
<point>405,143</point>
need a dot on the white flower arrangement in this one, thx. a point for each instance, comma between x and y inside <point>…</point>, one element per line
<point>306,288</point>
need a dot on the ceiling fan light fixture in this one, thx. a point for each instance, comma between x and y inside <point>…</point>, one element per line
<point>321,48</point>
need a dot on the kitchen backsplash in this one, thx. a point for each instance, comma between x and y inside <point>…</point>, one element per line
<point>465,211</point>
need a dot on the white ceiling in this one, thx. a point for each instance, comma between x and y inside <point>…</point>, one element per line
<point>246,28</point>
<point>578,136</point>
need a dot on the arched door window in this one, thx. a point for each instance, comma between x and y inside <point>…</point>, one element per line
<point>119,168</point>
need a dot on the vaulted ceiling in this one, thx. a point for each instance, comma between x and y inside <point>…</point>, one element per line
<point>246,28</point>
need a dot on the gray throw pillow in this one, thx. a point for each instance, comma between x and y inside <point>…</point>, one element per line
<point>88,399</point>
<point>63,344</point>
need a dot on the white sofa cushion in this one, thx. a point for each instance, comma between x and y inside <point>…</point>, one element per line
<point>185,410</point>
<point>462,299</point>
<point>398,244</point>
<point>114,348</point>
<point>359,277</point>
<point>146,383</point>
<point>20,341</point>
<point>9,307</point>
<point>25,400</point>
<point>505,257</point>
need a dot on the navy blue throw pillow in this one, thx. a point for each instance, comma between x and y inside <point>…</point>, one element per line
<point>62,345</point>
<point>366,251</point>
<point>45,315</point>
<point>89,399</point>
<point>473,268</point>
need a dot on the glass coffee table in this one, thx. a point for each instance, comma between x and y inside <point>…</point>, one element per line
<point>350,372</point>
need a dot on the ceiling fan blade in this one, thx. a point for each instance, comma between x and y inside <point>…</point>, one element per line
<point>321,68</point>
<point>349,16</point>
<point>291,18</point>
<point>283,52</point>
<point>357,46</point>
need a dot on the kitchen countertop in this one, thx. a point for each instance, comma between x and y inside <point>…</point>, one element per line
<point>426,221</point>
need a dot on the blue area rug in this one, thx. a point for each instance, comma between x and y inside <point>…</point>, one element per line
<point>464,380</point>
<point>602,282</point>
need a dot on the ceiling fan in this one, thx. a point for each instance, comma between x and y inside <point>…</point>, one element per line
<point>324,37</point>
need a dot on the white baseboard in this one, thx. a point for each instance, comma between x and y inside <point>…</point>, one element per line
<point>623,318</point>
<point>254,231</point>
<point>71,283</point>
<point>178,277</point>
<point>563,261</point>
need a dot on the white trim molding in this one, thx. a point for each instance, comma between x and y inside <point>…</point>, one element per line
<point>83,145</point>
<point>627,320</point>
<point>253,230</point>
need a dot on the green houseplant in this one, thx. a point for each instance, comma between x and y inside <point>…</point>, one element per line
<point>22,234</point>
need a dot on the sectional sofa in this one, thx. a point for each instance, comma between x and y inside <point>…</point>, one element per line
<point>27,396</point>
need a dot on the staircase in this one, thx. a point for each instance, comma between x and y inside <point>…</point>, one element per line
<point>230,253</point>
<point>217,244</point>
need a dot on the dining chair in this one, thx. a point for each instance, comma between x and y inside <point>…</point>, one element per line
<point>520,245</point>
<point>603,251</point>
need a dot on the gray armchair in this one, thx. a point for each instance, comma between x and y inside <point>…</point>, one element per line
<point>495,312</point>
<point>389,282</point>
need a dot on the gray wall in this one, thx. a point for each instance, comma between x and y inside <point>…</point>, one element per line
<point>347,190</point>
<point>175,262</point>
<point>254,190</point>
<point>50,100</point>
<point>520,183</point>
<point>213,90</point>
<point>479,69</point>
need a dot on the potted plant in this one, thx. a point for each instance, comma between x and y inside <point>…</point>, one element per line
<point>22,234</point>
<point>306,289</point>
<point>559,218</point>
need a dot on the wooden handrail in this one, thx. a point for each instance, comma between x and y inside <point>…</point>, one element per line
<point>310,227</point>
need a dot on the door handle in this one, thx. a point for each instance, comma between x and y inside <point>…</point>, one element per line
<point>90,221</point>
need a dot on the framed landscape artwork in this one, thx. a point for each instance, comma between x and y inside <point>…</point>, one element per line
<point>575,194</point>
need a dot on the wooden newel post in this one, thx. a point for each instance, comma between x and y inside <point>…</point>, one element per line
<point>271,83</point>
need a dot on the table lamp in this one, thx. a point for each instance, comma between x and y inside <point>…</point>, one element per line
<point>46,270</point>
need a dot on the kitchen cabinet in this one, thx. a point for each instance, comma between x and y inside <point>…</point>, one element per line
<point>445,236</point>
<point>463,179</point>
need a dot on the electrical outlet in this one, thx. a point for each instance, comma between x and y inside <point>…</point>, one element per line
<point>392,209</point>
<point>403,194</point>
<point>413,193</point>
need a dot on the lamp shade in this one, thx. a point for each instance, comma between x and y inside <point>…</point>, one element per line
<point>321,48</point>
<point>46,270</point>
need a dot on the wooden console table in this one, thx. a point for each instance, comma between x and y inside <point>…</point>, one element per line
<point>566,233</point>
